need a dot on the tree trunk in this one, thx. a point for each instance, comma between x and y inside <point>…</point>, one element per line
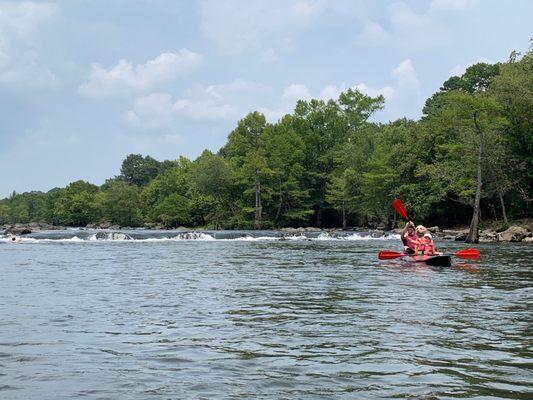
<point>280,207</point>
<point>319,215</point>
<point>473,233</point>
<point>258,207</point>
<point>502,202</point>
<point>343,217</point>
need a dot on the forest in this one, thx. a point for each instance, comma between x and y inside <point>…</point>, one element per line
<point>468,159</point>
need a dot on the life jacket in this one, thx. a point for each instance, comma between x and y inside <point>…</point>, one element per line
<point>425,246</point>
<point>410,241</point>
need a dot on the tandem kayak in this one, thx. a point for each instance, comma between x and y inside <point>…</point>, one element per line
<point>434,261</point>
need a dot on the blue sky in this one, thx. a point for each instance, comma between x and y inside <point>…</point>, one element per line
<point>84,83</point>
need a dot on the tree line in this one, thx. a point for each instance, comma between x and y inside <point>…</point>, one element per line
<point>467,159</point>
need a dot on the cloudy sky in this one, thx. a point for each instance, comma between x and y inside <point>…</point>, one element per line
<point>84,83</point>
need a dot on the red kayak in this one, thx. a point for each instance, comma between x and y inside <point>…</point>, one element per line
<point>434,261</point>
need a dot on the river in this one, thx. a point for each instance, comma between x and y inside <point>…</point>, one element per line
<point>248,315</point>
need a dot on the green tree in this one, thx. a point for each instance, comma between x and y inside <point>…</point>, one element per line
<point>471,120</point>
<point>139,170</point>
<point>513,89</point>
<point>122,203</point>
<point>173,184</point>
<point>325,129</point>
<point>245,150</point>
<point>79,204</point>
<point>211,184</point>
<point>285,157</point>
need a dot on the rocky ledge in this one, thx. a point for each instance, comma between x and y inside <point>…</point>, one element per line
<point>24,229</point>
<point>515,233</point>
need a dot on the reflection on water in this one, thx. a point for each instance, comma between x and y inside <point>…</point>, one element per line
<point>261,319</point>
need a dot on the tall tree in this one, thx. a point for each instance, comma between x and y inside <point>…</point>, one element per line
<point>326,129</point>
<point>211,187</point>
<point>246,151</point>
<point>286,155</point>
<point>470,121</point>
<point>139,170</point>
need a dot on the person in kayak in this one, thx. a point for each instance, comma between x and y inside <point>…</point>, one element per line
<point>425,245</point>
<point>409,238</point>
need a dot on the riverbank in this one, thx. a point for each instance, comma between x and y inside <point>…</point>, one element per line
<point>517,231</point>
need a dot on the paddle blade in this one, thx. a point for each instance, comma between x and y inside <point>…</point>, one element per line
<point>400,209</point>
<point>471,254</point>
<point>389,255</point>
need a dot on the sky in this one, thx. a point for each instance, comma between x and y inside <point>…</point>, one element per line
<point>83,83</point>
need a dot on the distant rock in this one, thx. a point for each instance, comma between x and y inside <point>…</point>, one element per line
<point>112,236</point>
<point>528,239</point>
<point>488,235</point>
<point>292,231</point>
<point>461,235</point>
<point>514,234</point>
<point>434,229</point>
<point>193,236</point>
<point>18,229</point>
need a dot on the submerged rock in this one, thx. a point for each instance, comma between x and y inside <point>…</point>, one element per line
<point>514,234</point>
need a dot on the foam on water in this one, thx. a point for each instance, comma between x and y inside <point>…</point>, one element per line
<point>201,236</point>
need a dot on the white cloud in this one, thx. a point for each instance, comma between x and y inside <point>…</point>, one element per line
<point>154,110</point>
<point>406,29</point>
<point>227,101</point>
<point>460,69</point>
<point>387,92</point>
<point>373,34</point>
<point>205,109</point>
<point>125,78</point>
<point>453,5</point>
<point>20,64</point>
<point>332,92</point>
<point>26,70</point>
<point>295,92</point>
<point>236,26</point>
<point>416,31</point>
<point>405,74</point>
<point>23,17</point>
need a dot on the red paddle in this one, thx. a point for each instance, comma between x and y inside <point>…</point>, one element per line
<point>471,254</point>
<point>400,209</point>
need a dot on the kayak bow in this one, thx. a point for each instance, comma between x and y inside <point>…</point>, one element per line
<point>434,261</point>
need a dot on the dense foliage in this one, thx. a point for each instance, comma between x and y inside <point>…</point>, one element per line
<point>327,165</point>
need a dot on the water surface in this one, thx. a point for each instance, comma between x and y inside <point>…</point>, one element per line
<point>233,316</point>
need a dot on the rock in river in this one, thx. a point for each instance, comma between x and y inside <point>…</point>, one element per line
<point>112,236</point>
<point>514,234</point>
